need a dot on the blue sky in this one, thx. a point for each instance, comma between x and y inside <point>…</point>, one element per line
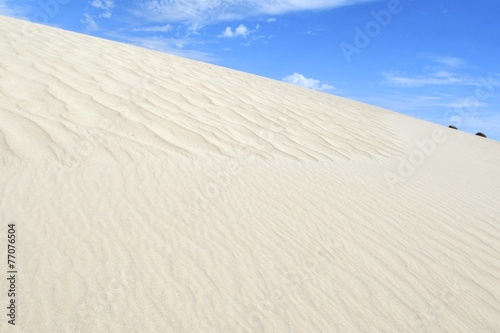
<point>434,60</point>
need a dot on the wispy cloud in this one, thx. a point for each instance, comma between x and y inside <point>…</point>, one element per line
<point>436,78</point>
<point>412,103</point>
<point>12,10</point>
<point>106,6</point>
<point>452,62</point>
<point>285,6</point>
<point>158,28</point>
<point>438,71</point>
<point>202,12</point>
<point>4,10</point>
<point>467,103</point>
<point>89,22</point>
<point>301,80</point>
<point>488,123</point>
<point>175,46</point>
<point>98,9</point>
<point>446,91</point>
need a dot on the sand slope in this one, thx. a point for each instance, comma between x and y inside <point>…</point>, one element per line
<point>153,193</point>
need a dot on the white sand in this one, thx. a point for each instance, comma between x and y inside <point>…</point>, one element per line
<point>153,193</point>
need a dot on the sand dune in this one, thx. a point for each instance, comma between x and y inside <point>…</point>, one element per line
<point>153,193</point>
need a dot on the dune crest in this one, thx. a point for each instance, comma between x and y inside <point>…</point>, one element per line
<point>152,193</point>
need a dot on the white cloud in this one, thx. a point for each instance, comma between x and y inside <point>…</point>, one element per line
<point>444,72</point>
<point>301,80</point>
<point>203,12</point>
<point>103,4</point>
<point>467,103</point>
<point>106,6</point>
<point>488,123</point>
<point>240,31</point>
<point>452,62</point>
<point>440,78</point>
<point>436,78</point>
<point>89,22</point>
<point>271,20</point>
<point>159,28</point>
<point>4,10</point>
<point>104,9</point>
<point>11,11</point>
<point>175,46</point>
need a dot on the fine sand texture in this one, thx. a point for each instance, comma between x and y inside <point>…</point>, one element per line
<point>152,193</point>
